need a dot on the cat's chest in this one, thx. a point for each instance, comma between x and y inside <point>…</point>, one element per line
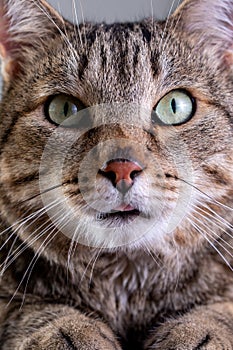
<point>138,294</point>
<point>122,295</point>
<point>128,293</point>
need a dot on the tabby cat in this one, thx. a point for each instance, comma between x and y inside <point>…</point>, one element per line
<point>116,173</point>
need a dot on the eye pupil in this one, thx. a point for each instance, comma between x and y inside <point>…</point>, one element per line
<point>66,109</point>
<point>173,105</point>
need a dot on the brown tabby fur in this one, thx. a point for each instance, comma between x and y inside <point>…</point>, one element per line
<point>166,291</point>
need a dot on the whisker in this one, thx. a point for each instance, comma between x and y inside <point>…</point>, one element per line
<point>166,23</point>
<point>38,254</point>
<point>72,248</point>
<point>152,13</point>
<point>205,194</point>
<point>211,243</point>
<point>22,223</point>
<point>213,220</point>
<point>174,25</point>
<point>86,269</point>
<point>35,257</point>
<point>65,31</point>
<point>67,41</point>
<point>42,192</point>
<point>99,251</point>
<point>220,218</point>
<point>83,21</point>
<point>75,236</point>
<point>12,256</point>
<point>19,251</point>
<point>213,186</point>
<point>150,251</point>
<point>74,240</point>
<point>31,267</point>
<point>35,215</point>
<point>216,235</point>
<point>76,23</point>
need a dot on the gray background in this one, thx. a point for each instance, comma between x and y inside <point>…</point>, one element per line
<point>113,10</point>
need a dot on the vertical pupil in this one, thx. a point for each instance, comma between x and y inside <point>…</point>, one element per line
<point>173,104</point>
<point>66,108</point>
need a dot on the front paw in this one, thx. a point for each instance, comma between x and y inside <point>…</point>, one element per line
<point>195,331</point>
<point>70,333</point>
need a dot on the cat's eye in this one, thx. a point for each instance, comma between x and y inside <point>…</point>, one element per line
<point>65,110</point>
<point>175,108</point>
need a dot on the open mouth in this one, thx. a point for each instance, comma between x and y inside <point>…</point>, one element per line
<point>118,216</point>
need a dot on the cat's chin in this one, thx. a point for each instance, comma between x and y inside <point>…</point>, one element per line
<point>127,229</point>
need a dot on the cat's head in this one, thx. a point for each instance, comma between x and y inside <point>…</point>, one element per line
<point>116,135</point>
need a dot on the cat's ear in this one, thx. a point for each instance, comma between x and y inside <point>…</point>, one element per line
<point>210,24</point>
<point>23,25</point>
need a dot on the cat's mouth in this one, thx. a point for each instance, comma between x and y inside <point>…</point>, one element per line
<point>120,214</point>
<point>123,214</point>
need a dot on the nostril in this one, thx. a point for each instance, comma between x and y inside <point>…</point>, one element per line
<point>135,173</point>
<point>109,175</point>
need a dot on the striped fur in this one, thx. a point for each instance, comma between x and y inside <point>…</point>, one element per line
<point>171,288</point>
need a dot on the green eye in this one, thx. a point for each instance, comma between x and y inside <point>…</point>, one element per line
<point>175,108</point>
<point>63,109</point>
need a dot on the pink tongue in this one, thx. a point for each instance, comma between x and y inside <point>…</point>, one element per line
<point>124,207</point>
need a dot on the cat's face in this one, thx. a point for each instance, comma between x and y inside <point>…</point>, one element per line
<point>116,135</point>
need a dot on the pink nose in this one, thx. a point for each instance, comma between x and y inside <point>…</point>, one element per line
<point>122,173</point>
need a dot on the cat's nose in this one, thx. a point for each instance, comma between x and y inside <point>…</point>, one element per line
<point>121,172</point>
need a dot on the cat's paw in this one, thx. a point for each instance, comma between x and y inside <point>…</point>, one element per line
<point>193,332</point>
<point>68,333</point>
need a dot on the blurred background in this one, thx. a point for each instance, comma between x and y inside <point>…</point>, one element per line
<point>113,10</point>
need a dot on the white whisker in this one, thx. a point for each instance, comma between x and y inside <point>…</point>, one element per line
<point>64,36</point>
<point>83,21</point>
<point>206,195</point>
<point>38,254</point>
<point>31,267</point>
<point>220,218</point>
<point>150,251</point>
<point>211,219</point>
<point>212,233</point>
<point>166,23</point>
<point>28,242</point>
<point>76,21</point>
<point>211,243</point>
<point>94,262</point>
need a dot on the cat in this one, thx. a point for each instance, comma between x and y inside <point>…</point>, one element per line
<point>116,175</point>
